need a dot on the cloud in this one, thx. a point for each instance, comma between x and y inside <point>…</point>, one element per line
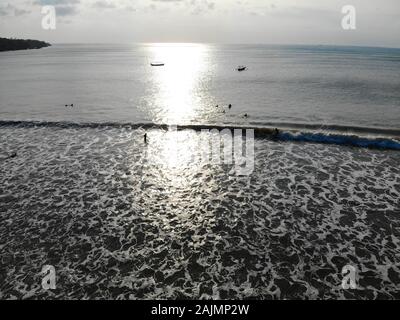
<point>63,7</point>
<point>102,4</point>
<point>10,10</point>
<point>21,12</point>
<point>56,2</point>
<point>201,6</point>
<point>5,10</point>
<point>66,11</point>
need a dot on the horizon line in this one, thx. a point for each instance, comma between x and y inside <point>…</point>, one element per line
<point>227,43</point>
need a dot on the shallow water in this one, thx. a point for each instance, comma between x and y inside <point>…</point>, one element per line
<point>121,219</point>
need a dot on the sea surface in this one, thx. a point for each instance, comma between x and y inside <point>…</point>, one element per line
<point>320,85</point>
<point>121,218</point>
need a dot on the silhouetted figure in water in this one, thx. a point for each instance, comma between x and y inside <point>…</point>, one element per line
<point>72,105</point>
<point>145,138</point>
<point>246,115</point>
<point>216,106</point>
<point>275,133</point>
<point>66,105</point>
<point>230,106</point>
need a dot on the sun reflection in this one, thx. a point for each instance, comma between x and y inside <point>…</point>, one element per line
<point>176,84</point>
<point>175,156</point>
<point>177,96</point>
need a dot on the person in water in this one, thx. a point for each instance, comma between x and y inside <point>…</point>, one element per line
<point>245,115</point>
<point>145,138</point>
<point>230,106</point>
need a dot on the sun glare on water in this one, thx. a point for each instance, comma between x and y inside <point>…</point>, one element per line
<point>177,84</point>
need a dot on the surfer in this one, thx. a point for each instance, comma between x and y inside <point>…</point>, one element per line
<point>246,115</point>
<point>275,133</point>
<point>230,106</point>
<point>145,138</point>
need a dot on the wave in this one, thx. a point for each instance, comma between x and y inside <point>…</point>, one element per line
<point>67,125</point>
<point>365,137</point>
<point>351,140</point>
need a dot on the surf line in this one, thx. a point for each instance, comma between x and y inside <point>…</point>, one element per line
<point>160,310</point>
<point>313,136</point>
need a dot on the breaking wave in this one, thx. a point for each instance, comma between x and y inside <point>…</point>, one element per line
<point>364,137</point>
<point>352,140</point>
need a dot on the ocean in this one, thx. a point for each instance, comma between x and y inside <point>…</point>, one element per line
<point>119,217</point>
<point>317,85</point>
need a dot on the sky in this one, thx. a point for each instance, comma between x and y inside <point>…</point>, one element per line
<point>210,21</point>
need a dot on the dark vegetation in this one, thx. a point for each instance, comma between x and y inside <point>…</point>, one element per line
<point>19,44</point>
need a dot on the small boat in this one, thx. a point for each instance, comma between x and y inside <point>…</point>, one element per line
<point>241,68</point>
<point>157,64</point>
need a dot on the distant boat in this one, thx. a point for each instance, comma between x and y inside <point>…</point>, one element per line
<point>157,64</point>
<point>241,68</point>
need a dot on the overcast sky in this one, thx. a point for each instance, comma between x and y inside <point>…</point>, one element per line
<point>222,21</point>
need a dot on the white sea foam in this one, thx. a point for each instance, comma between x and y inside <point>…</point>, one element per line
<point>114,225</point>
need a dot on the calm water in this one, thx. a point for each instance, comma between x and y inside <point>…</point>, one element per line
<point>290,84</point>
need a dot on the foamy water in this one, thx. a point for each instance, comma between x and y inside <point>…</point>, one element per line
<point>121,219</point>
